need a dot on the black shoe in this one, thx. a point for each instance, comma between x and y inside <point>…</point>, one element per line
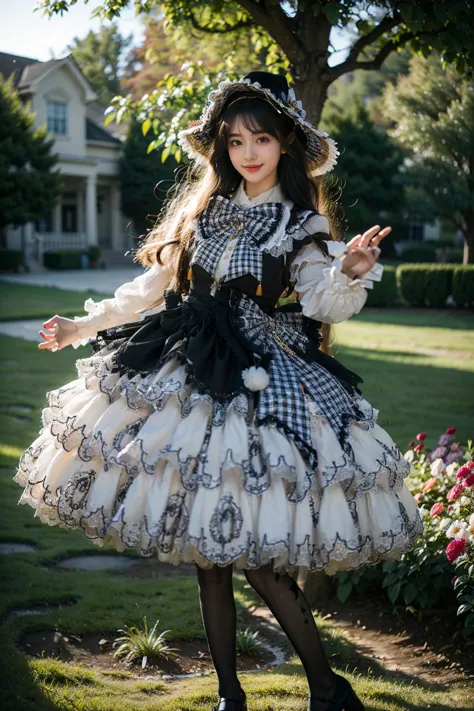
<point>344,699</point>
<point>232,704</point>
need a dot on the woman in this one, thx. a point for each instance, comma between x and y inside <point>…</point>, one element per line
<point>212,426</point>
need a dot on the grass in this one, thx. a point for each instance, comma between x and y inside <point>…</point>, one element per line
<point>20,302</point>
<point>416,372</point>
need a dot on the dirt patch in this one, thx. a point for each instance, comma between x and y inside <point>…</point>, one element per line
<point>193,655</point>
<point>427,649</point>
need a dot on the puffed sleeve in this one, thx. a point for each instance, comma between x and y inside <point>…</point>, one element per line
<point>325,293</point>
<point>131,302</point>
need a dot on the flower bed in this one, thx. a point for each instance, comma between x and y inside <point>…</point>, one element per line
<point>439,570</point>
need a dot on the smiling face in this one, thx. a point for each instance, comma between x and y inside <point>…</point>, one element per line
<point>255,155</point>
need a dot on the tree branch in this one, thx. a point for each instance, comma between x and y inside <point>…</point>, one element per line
<point>222,30</point>
<point>349,65</point>
<point>278,26</point>
<point>387,24</point>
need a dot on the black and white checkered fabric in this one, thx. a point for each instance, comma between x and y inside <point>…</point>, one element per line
<point>291,376</point>
<point>270,227</point>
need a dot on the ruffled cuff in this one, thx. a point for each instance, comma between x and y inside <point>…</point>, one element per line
<point>100,317</point>
<point>339,249</point>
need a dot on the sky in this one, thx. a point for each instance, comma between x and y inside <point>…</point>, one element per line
<point>30,34</point>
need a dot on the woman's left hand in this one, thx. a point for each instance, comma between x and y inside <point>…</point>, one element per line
<point>363,251</point>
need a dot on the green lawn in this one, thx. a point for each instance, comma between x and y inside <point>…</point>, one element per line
<point>416,372</point>
<point>18,301</point>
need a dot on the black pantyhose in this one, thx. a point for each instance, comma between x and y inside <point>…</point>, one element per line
<point>216,595</point>
<point>290,608</point>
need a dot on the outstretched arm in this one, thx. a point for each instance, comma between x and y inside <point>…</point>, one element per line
<point>129,303</point>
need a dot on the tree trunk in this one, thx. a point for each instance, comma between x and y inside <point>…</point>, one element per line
<point>312,92</point>
<point>469,237</point>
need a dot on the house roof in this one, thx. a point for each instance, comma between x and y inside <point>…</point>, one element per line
<point>26,71</point>
<point>97,133</point>
<point>13,64</point>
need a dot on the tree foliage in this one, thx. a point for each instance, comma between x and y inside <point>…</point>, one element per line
<point>98,55</point>
<point>29,183</point>
<point>296,38</point>
<point>140,172</point>
<point>432,114</point>
<point>369,169</point>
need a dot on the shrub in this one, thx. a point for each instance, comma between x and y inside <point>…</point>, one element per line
<point>10,259</point>
<point>419,253</point>
<point>425,284</point>
<point>94,253</point>
<point>453,255</point>
<point>463,286</point>
<point>385,292</point>
<point>62,259</point>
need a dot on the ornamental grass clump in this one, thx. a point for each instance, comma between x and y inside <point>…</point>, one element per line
<point>248,643</point>
<point>136,643</point>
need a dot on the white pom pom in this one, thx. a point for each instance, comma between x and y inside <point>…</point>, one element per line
<point>255,378</point>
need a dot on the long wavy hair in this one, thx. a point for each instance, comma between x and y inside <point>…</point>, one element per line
<point>171,240</point>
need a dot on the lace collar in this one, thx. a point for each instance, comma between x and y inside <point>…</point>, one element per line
<point>274,194</point>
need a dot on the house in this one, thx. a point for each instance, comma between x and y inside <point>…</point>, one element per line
<point>88,210</point>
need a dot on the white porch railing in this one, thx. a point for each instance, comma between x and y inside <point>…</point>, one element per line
<point>53,241</point>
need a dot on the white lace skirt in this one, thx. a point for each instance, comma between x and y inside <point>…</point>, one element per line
<point>147,462</point>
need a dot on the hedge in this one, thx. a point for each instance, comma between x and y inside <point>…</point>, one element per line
<point>10,259</point>
<point>432,284</point>
<point>463,286</point>
<point>63,259</point>
<point>385,292</point>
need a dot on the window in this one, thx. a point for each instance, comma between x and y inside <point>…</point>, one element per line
<point>57,118</point>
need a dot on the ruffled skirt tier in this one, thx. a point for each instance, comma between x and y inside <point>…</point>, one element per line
<point>146,461</point>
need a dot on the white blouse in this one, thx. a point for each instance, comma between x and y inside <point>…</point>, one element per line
<point>324,291</point>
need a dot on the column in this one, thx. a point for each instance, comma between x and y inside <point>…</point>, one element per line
<point>57,223</point>
<point>91,210</point>
<point>117,241</point>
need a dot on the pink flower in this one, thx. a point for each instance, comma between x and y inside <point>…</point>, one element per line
<point>437,509</point>
<point>455,492</point>
<point>412,444</point>
<point>454,578</point>
<point>455,549</point>
<point>451,430</point>
<point>462,472</point>
<point>421,436</point>
<point>469,465</point>
<point>428,485</point>
<point>419,447</point>
<point>469,480</point>
<point>417,497</point>
<point>456,447</point>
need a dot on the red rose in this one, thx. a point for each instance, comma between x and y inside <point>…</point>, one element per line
<point>420,437</point>
<point>419,447</point>
<point>455,549</point>
<point>469,480</point>
<point>462,472</point>
<point>469,465</point>
<point>437,509</point>
<point>454,578</point>
<point>412,443</point>
<point>451,430</point>
<point>455,492</point>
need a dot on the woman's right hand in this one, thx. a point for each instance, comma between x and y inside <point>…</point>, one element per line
<point>59,332</point>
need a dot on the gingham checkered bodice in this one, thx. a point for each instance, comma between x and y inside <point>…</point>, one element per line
<point>263,235</point>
